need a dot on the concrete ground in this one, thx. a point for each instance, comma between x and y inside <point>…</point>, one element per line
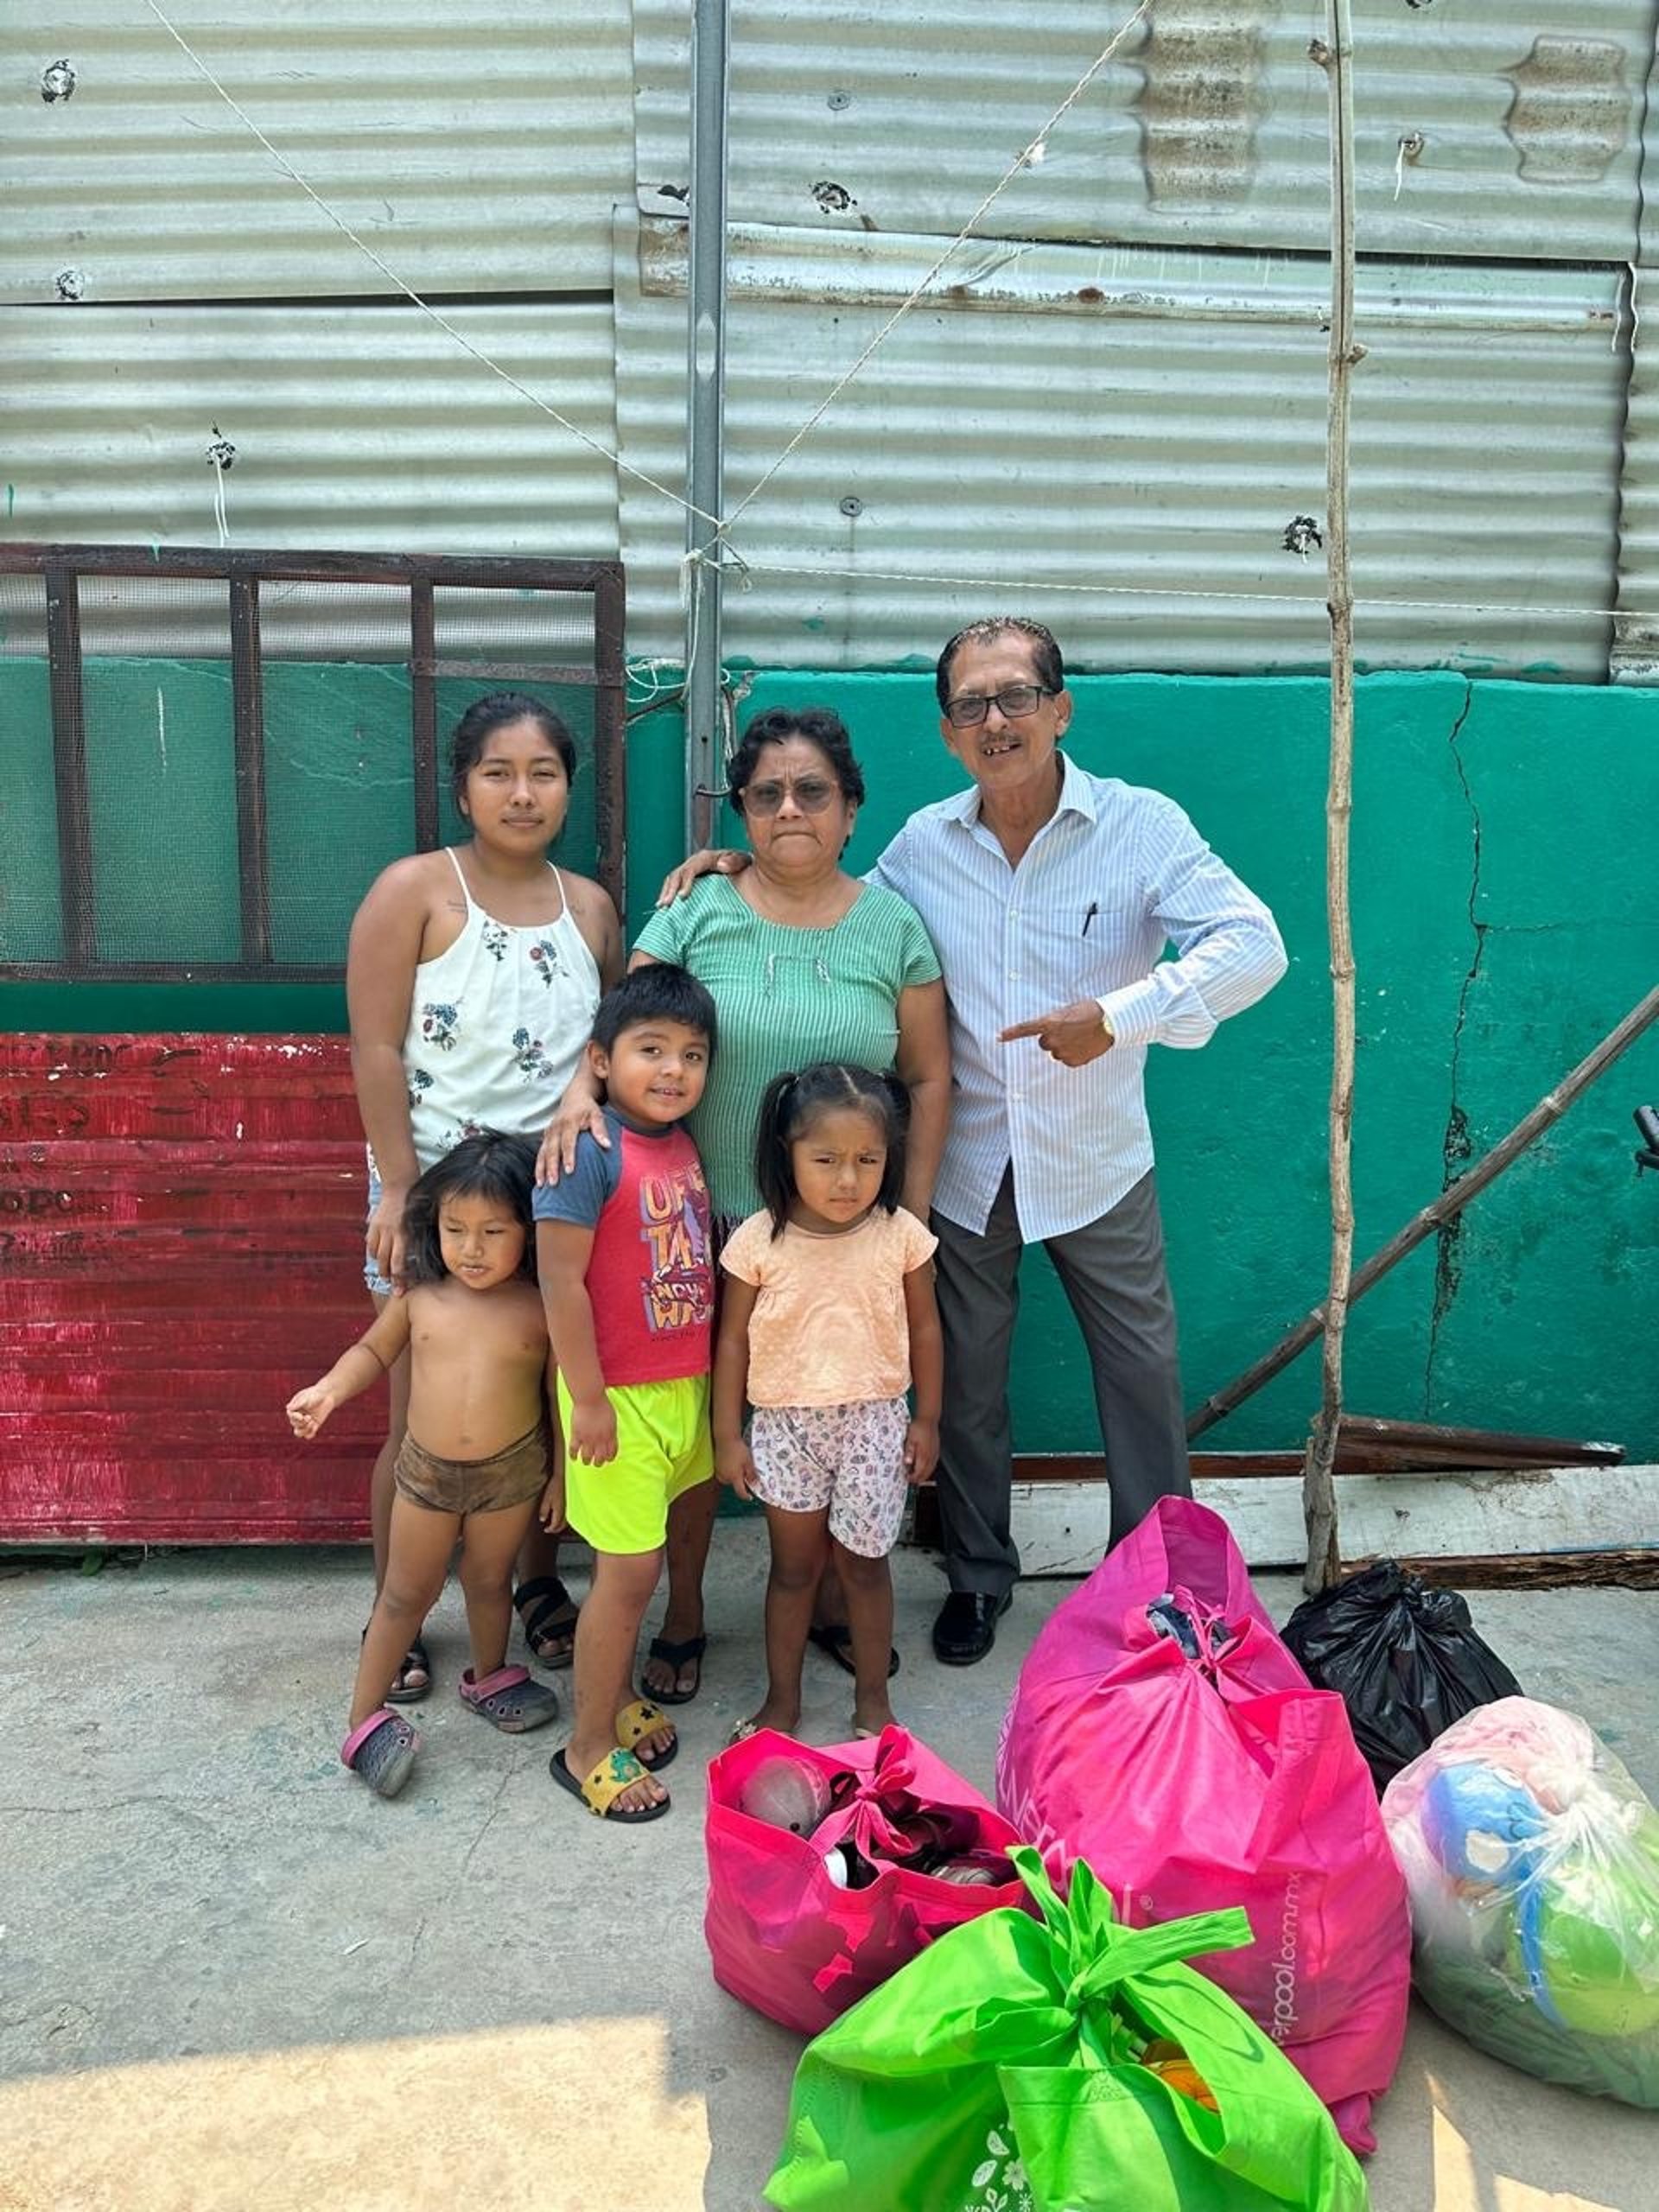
<point>231,1978</point>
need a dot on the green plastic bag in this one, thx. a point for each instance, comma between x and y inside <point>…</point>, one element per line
<point>1002,2071</point>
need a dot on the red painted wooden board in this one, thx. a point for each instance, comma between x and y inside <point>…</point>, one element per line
<point>180,1248</point>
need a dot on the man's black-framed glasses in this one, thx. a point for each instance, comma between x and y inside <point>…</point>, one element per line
<point>971,708</point>
<point>810,793</point>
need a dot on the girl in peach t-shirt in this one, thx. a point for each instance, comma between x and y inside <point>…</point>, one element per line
<point>826,1319</point>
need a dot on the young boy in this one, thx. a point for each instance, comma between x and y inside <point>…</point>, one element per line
<point>627,1277</point>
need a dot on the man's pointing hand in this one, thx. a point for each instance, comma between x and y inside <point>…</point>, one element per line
<point>1072,1034</point>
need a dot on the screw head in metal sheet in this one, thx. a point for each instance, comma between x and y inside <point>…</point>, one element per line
<point>837,101</point>
<point>71,285</point>
<point>57,81</point>
<point>852,505</point>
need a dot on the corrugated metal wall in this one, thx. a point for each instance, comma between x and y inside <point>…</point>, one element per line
<point>1207,129</point>
<point>1142,445</point>
<point>1120,387</point>
<point>198,292</point>
<point>1123,384</point>
<point>362,426</point>
<point>476,146</point>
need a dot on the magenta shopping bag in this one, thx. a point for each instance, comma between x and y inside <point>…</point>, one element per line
<point>784,1932</point>
<point>1161,1730</point>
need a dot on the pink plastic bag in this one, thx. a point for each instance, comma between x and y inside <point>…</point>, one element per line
<point>1192,1778</point>
<point>782,1934</point>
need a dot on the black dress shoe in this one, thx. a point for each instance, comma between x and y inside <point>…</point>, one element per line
<point>966,1627</point>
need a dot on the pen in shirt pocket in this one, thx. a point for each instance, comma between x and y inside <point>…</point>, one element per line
<point>1090,913</point>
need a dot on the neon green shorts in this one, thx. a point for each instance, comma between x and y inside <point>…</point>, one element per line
<point>663,1447</point>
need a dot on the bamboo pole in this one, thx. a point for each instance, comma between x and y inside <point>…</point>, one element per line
<point>1336,57</point>
<point>1435,1216</point>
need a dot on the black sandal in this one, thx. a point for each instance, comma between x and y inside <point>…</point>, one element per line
<point>676,1656</point>
<point>404,1692</point>
<point>836,1639</point>
<point>553,1614</point>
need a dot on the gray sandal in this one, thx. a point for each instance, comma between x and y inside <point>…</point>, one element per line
<point>509,1700</point>
<point>380,1750</point>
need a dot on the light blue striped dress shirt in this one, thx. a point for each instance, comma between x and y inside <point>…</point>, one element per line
<point>1117,874</point>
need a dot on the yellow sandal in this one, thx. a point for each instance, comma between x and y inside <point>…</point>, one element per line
<point>636,1722</point>
<point>600,1790</point>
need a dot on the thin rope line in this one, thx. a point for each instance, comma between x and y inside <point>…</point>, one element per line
<point>1021,160</point>
<point>465,345</point>
<point>1191,591</point>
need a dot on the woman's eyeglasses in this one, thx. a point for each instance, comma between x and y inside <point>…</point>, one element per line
<point>970,709</point>
<point>810,793</point>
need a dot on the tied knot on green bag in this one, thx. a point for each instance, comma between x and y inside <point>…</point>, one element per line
<point>1100,1950</point>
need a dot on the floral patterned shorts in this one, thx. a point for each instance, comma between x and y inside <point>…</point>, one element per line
<point>848,1458</point>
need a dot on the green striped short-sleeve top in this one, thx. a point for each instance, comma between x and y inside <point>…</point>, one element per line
<point>785,997</point>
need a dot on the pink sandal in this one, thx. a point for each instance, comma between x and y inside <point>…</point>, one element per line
<point>380,1750</point>
<point>510,1699</point>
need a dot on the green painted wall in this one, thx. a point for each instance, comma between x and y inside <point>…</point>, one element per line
<point>1506,908</point>
<point>160,748</point>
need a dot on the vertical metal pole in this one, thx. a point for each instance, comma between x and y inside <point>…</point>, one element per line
<point>706,407</point>
<point>76,903</point>
<point>248,713</point>
<point>610,732</point>
<point>1336,56</point>
<point>423,709</point>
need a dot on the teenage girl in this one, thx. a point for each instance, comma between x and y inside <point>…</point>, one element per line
<point>826,1319</point>
<point>472,978</point>
<point>473,1460</point>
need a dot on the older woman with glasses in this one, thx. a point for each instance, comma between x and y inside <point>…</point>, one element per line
<point>805,964</point>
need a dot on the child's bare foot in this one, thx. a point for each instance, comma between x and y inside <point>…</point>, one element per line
<point>782,1714</point>
<point>871,1715</point>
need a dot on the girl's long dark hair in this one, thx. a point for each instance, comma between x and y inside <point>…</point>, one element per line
<point>488,1165</point>
<point>793,1102</point>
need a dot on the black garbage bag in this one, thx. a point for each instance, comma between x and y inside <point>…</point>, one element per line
<point>1404,1658</point>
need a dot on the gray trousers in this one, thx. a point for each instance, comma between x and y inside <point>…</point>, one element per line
<point>1112,1271</point>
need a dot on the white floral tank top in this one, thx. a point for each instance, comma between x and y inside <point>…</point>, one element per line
<point>496,1026</point>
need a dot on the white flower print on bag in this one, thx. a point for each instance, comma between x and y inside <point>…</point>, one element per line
<point>999,2180</point>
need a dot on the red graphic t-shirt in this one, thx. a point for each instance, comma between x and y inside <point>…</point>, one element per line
<point>651,1275</point>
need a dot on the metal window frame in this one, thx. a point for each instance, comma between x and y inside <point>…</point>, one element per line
<point>62,567</point>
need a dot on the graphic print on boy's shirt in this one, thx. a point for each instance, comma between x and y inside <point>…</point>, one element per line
<point>678,1285</point>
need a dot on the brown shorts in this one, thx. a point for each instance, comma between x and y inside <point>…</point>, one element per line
<point>509,1478</point>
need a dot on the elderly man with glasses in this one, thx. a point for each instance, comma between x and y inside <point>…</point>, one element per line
<point>1050,895</point>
